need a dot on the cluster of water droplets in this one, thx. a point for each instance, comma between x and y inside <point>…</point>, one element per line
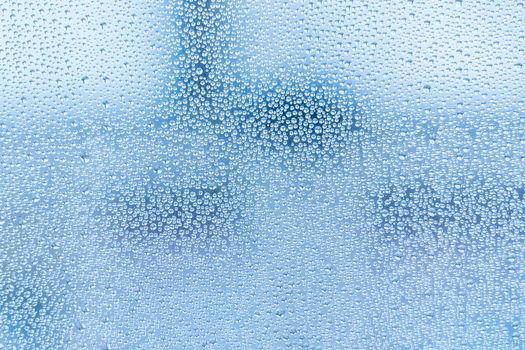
<point>253,175</point>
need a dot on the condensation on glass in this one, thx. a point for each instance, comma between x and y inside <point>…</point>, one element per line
<point>216,174</point>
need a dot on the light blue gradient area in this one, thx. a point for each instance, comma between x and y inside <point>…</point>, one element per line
<point>395,221</point>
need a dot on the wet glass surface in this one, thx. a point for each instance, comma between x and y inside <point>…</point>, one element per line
<point>245,174</point>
